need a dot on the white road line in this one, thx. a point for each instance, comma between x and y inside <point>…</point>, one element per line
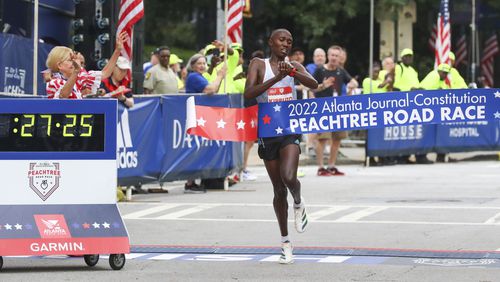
<point>166,257</point>
<point>493,219</point>
<point>184,212</point>
<point>324,212</point>
<point>335,221</point>
<point>326,206</point>
<point>355,216</point>
<point>141,213</point>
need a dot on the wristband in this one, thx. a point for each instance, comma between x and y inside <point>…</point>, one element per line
<point>293,72</point>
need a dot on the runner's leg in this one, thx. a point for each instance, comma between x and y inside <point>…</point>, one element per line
<point>289,158</point>
<point>280,202</point>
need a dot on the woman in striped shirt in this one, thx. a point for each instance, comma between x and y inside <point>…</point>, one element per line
<point>68,76</point>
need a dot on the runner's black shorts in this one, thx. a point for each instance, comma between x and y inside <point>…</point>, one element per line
<point>269,148</point>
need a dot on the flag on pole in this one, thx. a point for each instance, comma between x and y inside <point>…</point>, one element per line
<point>131,11</point>
<point>443,38</point>
<point>235,20</point>
<point>219,123</point>
<point>487,62</point>
<point>461,53</point>
<point>432,38</point>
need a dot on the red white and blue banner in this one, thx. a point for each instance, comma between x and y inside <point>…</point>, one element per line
<point>376,111</point>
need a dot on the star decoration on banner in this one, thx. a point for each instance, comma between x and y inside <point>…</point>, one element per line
<point>266,119</point>
<point>201,121</point>
<point>96,225</point>
<point>497,114</point>
<point>279,130</point>
<point>277,108</point>
<point>116,225</point>
<point>221,123</point>
<point>8,226</point>
<point>75,225</point>
<point>241,125</point>
<point>28,226</point>
<point>86,225</point>
<point>497,94</point>
<point>105,225</point>
<point>252,123</point>
<point>18,226</point>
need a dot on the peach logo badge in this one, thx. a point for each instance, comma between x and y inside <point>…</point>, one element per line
<point>44,178</point>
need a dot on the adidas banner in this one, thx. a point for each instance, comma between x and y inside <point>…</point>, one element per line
<point>380,110</point>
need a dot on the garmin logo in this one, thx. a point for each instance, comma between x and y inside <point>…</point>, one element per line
<point>57,247</point>
<point>126,158</point>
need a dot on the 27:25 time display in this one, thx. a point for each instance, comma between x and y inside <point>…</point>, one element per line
<point>27,125</point>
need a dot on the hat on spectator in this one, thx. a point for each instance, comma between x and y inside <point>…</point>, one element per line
<point>406,51</point>
<point>452,56</point>
<point>209,48</point>
<point>444,68</point>
<point>123,63</point>
<point>174,59</point>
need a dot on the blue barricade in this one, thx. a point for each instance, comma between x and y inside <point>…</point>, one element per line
<point>441,138</point>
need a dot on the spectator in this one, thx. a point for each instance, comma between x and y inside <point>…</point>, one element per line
<point>457,81</point>
<point>387,73</point>
<point>297,55</point>
<point>152,62</point>
<point>196,83</point>
<point>331,76</point>
<point>405,76</point>
<point>117,84</point>
<point>161,79</point>
<point>68,79</point>
<point>319,59</point>
<point>175,65</point>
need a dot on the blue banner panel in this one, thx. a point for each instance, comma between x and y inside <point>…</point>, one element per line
<point>400,140</point>
<point>468,136</point>
<point>188,156</point>
<point>140,141</point>
<point>16,64</point>
<point>381,110</point>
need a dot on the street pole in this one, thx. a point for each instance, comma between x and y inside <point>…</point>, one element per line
<point>473,42</point>
<point>35,48</point>
<point>226,4</point>
<point>371,44</point>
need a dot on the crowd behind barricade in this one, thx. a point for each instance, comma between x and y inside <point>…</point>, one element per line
<point>219,68</point>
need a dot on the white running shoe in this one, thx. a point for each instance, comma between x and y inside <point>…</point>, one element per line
<point>301,217</point>
<point>247,176</point>
<point>286,253</point>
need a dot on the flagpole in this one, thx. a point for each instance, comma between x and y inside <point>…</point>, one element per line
<point>371,45</point>
<point>226,3</point>
<point>35,49</point>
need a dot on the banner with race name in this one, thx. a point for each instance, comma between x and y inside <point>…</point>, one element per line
<point>380,110</point>
<point>188,156</point>
<point>467,136</point>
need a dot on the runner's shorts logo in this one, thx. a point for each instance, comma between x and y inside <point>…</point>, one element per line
<point>52,226</point>
<point>44,178</point>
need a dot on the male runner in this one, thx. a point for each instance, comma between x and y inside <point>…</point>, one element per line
<point>272,80</point>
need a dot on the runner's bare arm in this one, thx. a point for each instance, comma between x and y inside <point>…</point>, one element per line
<point>253,86</point>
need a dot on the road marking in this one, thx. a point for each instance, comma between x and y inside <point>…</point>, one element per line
<point>184,212</point>
<point>166,257</point>
<point>355,216</point>
<point>493,219</point>
<point>141,213</point>
<point>324,212</point>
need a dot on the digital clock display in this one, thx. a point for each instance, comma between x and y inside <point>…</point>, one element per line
<point>44,132</point>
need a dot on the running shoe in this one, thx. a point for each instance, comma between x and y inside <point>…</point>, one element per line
<point>324,172</point>
<point>301,217</point>
<point>247,176</point>
<point>286,253</point>
<point>194,189</point>
<point>335,172</point>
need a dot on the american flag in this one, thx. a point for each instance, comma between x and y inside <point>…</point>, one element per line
<point>432,38</point>
<point>487,62</point>
<point>131,11</point>
<point>235,20</point>
<point>443,39</point>
<point>461,53</point>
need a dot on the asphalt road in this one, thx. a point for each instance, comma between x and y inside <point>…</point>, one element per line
<point>435,222</point>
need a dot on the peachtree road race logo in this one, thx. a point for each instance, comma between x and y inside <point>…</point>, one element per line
<point>125,158</point>
<point>52,226</point>
<point>44,178</point>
